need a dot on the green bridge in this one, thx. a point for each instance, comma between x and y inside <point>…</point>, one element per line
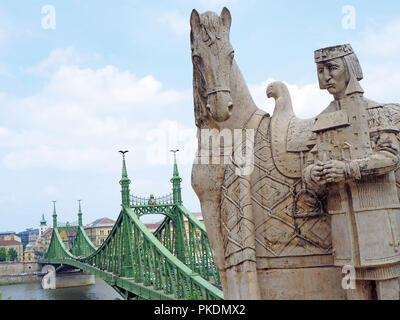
<point>172,262</point>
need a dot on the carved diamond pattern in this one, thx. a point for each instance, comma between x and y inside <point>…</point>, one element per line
<point>270,191</point>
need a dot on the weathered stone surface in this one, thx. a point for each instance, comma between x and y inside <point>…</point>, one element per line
<point>7,268</point>
<point>321,192</point>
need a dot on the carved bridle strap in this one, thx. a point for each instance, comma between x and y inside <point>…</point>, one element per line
<point>215,90</point>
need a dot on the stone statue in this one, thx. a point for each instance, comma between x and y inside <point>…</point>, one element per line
<point>355,155</point>
<point>352,160</point>
<point>270,227</point>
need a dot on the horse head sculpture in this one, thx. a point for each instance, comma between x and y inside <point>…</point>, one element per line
<point>213,54</point>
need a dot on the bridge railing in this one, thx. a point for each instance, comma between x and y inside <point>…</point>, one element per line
<point>141,201</point>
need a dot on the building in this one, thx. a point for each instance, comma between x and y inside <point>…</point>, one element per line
<point>153,226</point>
<point>9,235</point>
<point>66,236</point>
<point>98,230</point>
<point>197,215</point>
<point>33,239</point>
<point>29,254</point>
<point>71,235</point>
<point>26,236</point>
<point>45,240</point>
<point>15,244</point>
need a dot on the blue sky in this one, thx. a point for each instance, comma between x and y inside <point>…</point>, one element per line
<point>118,75</point>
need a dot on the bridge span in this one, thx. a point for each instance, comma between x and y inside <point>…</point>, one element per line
<point>173,262</point>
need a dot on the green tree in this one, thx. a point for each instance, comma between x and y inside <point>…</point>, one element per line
<point>3,254</point>
<point>12,254</point>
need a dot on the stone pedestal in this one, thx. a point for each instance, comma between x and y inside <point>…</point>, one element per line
<point>65,280</point>
<point>321,283</point>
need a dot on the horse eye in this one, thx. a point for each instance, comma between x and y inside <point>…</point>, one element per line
<point>196,58</point>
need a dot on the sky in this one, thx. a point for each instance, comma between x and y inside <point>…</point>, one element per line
<point>80,80</point>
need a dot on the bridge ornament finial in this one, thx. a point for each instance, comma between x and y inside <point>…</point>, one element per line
<point>125,182</point>
<point>80,214</point>
<point>54,214</point>
<point>176,181</point>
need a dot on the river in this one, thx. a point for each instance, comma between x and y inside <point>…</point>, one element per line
<point>34,291</point>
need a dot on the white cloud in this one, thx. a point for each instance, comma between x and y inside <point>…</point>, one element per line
<point>381,40</point>
<point>60,57</point>
<point>170,135</point>
<point>83,115</point>
<point>378,52</point>
<point>308,100</point>
<point>175,21</point>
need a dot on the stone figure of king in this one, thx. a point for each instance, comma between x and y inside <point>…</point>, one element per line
<point>353,158</point>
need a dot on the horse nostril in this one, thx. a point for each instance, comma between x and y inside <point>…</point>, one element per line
<point>230,107</point>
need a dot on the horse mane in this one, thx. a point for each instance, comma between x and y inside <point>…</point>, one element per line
<point>201,115</point>
<point>210,32</point>
<point>210,27</point>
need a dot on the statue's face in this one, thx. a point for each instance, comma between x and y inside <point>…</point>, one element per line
<point>333,75</point>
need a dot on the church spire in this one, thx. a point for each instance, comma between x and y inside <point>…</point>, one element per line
<point>43,221</point>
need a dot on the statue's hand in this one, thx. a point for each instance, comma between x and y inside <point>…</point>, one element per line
<point>334,171</point>
<point>317,173</point>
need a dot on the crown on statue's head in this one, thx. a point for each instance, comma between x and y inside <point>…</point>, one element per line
<point>334,52</point>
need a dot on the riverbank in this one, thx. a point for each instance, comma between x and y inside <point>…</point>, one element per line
<point>19,279</point>
<point>19,272</point>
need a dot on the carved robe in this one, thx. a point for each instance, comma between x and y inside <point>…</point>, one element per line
<point>365,208</point>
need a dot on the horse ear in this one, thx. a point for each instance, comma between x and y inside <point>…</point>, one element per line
<point>226,18</point>
<point>195,22</point>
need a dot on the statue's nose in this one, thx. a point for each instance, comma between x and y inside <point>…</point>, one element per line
<point>327,75</point>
